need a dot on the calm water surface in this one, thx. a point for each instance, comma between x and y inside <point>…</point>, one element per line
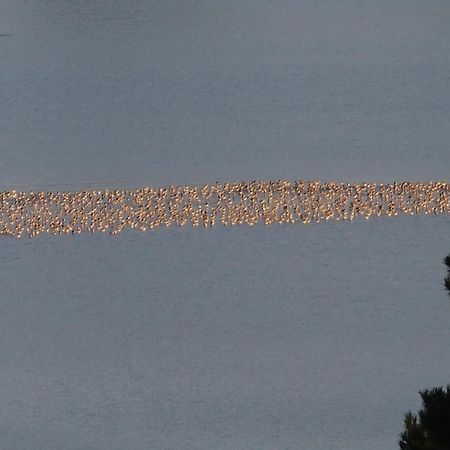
<point>145,92</point>
<point>296,337</point>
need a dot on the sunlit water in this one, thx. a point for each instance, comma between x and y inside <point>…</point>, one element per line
<point>287,337</point>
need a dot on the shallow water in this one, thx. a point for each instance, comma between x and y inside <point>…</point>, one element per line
<point>133,93</point>
<point>289,336</point>
<point>314,337</point>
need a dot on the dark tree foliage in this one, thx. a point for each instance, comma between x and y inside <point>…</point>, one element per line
<point>447,278</point>
<point>430,428</point>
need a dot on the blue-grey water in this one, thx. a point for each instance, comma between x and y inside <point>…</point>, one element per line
<point>159,92</point>
<point>286,337</point>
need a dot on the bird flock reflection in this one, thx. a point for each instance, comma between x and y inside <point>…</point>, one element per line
<point>246,203</point>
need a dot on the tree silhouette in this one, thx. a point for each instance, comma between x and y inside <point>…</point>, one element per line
<point>447,278</point>
<point>430,428</point>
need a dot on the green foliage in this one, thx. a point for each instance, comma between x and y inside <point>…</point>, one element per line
<point>430,428</point>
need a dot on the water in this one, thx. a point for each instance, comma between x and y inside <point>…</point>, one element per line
<point>313,337</point>
<point>130,93</point>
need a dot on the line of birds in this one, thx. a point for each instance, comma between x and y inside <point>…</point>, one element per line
<point>250,203</point>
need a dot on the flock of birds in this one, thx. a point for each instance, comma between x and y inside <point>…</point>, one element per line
<point>249,203</point>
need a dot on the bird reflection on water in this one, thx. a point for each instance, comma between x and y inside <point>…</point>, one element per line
<point>246,203</point>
